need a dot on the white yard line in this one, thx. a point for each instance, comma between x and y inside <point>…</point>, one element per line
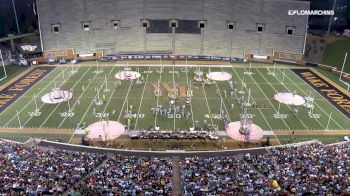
<point>109,99</point>
<point>92,101</point>
<point>262,114</point>
<point>57,105</point>
<point>206,100</point>
<point>78,98</point>
<point>160,80</point>
<point>175,102</point>
<point>291,91</point>
<point>24,95</point>
<point>143,92</point>
<point>126,97</point>
<point>43,105</point>
<point>302,122</point>
<point>25,106</point>
<point>191,98</point>
<point>221,99</point>
<point>286,105</point>
<point>268,99</point>
<point>316,102</point>
<point>70,139</point>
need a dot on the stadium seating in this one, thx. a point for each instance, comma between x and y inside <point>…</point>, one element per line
<point>132,176</point>
<point>215,39</point>
<point>225,175</point>
<point>32,171</point>
<point>295,169</point>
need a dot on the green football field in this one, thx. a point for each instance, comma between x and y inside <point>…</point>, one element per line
<point>29,112</point>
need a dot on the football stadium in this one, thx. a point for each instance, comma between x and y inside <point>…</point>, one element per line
<point>175,97</point>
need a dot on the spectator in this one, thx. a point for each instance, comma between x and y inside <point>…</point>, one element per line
<point>220,175</point>
<point>131,176</point>
<point>313,168</point>
<point>33,171</point>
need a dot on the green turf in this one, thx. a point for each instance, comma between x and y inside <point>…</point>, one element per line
<point>333,77</point>
<point>11,71</point>
<point>303,138</point>
<point>206,101</point>
<point>22,137</point>
<point>335,52</point>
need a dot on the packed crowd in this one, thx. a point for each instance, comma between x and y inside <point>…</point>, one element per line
<point>291,170</point>
<point>130,176</point>
<point>314,168</point>
<point>221,176</point>
<point>35,171</point>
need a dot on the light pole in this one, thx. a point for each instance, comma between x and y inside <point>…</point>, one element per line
<point>331,19</point>
<point>15,12</point>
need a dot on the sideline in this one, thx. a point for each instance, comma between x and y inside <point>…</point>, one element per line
<point>37,130</point>
<point>14,79</point>
<point>337,86</point>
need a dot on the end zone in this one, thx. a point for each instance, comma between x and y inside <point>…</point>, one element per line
<point>334,95</point>
<point>17,88</point>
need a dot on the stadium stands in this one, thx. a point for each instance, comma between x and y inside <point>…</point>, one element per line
<point>130,175</point>
<point>312,168</point>
<point>224,176</point>
<point>214,39</point>
<point>317,169</point>
<point>33,171</point>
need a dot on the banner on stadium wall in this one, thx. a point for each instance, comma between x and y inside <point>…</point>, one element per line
<point>258,58</point>
<point>168,57</point>
<point>89,56</point>
<point>67,54</point>
<point>288,57</point>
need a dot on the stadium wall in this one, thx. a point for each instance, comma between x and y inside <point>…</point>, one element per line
<point>215,39</point>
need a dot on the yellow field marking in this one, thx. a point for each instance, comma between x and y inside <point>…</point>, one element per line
<point>331,82</point>
<point>15,78</point>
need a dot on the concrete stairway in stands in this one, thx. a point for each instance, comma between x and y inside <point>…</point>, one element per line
<point>176,177</point>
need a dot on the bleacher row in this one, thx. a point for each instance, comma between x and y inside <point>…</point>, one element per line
<point>290,170</point>
<point>214,40</point>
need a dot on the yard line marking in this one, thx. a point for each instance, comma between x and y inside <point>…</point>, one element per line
<point>25,106</point>
<point>267,99</point>
<point>143,92</point>
<point>191,97</point>
<point>262,114</point>
<point>109,99</point>
<point>126,97</point>
<point>92,101</point>
<point>175,102</point>
<point>316,99</point>
<point>44,104</point>
<point>160,80</point>
<point>221,99</point>
<point>57,105</point>
<point>302,122</point>
<point>79,97</point>
<point>290,91</point>
<point>206,100</point>
<point>70,139</point>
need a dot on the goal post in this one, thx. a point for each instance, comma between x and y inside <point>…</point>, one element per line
<point>3,74</point>
<point>342,72</point>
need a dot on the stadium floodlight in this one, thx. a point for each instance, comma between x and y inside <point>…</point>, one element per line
<point>3,66</point>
